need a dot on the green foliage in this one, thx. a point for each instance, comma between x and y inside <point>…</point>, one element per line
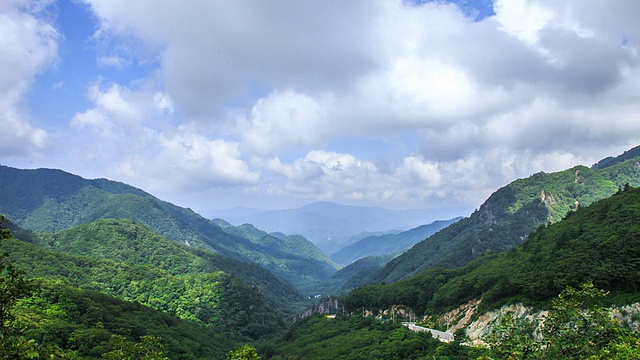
<point>353,276</point>
<point>599,243</point>
<point>244,353</point>
<point>149,348</point>
<point>511,214</point>
<point>52,200</point>
<point>125,241</point>
<point>213,299</point>
<point>356,337</point>
<point>85,322</point>
<point>571,330</point>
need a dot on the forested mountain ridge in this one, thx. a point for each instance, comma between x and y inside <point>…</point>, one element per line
<point>510,214</point>
<point>388,244</point>
<point>46,314</point>
<point>289,246</point>
<point>599,244</point>
<point>125,241</point>
<point>53,200</point>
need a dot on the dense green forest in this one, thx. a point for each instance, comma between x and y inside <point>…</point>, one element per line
<point>47,318</point>
<point>106,279</point>
<point>210,299</point>
<point>598,243</point>
<point>510,214</point>
<point>125,241</point>
<point>53,200</point>
<point>357,337</point>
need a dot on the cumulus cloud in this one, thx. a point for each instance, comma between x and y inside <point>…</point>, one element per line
<point>28,44</point>
<point>130,131</point>
<point>306,99</point>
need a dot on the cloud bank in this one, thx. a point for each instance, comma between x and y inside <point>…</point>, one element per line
<point>389,103</point>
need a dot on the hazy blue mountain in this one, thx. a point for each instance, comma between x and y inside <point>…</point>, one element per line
<point>332,226</point>
<point>511,213</point>
<point>610,161</point>
<point>53,200</point>
<point>389,244</point>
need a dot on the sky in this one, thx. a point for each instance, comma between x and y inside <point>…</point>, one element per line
<point>212,104</point>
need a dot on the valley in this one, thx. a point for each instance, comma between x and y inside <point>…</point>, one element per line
<point>110,267</point>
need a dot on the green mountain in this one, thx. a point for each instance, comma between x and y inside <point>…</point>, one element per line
<point>90,323</point>
<point>511,213</point>
<point>352,276</point>
<point>122,240</point>
<point>53,200</point>
<point>388,244</point>
<point>210,299</point>
<point>299,254</point>
<point>599,243</point>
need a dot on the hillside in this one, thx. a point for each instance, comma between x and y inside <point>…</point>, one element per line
<point>122,240</point>
<point>352,276</point>
<point>53,200</point>
<point>599,243</point>
<point>90,324</point>
<point>211,299</point>
<point>510,214</point>
<point>388,244</point>
<point>310,261</point>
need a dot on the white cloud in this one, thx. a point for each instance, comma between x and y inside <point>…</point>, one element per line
<point>28,44</point>
<point>130,133</point>
<point>301,99</point>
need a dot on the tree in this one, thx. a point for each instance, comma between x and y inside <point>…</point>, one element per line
<point>244,353</point>
<point>149,348</point>
<point>13,287</point>
<point>571,330</point>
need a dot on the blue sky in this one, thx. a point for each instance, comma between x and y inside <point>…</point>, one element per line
<point>215,104</point>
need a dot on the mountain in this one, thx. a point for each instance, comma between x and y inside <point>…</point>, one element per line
<point>311,260</point>
<point>210,299</point>
<point>511,213</point>
<point>388,244</point>
<point>353,276</point>
<point>610,161</point>
<point>330,225</point>
<point>86,324</point>
<point>125,241</point>
<point>53,200</point>
<point>599,243</point>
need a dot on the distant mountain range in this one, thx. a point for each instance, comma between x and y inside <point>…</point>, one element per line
<point>333,226</point>
<point>388,244</point>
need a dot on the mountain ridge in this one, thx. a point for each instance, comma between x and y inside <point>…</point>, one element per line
<point>507,217</point>
<point>54,200</point>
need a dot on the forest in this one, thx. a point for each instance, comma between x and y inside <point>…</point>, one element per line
<point>95,283</point>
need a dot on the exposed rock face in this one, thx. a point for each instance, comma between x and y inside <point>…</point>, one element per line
<point>459,318</point>
<point>479,328</point>
<point>483,325</point>
<point>628,315</point>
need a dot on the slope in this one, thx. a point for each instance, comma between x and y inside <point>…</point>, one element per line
<point>389,244</point>
<point>211,299</point>
<point>599,243</point>
<point>124,241</point>
<point>90,323</point>
<point>299,254</point>
<point>53,200</point>
<point>510,214</point>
